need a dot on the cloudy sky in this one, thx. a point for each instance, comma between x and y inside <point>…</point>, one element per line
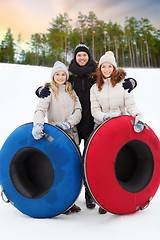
<point>30,16</point>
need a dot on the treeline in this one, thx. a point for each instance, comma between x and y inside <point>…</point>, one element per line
<point>136,44</point>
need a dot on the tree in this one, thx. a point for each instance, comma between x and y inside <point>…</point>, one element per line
<point>117,36</point>
<point>92,21</point>
<point>44,47</point>
<point>7,48</point>
<point>137,44</point>
<point>58,36</point>
<point>82,23</point>
<point>74,38</point>
<point>67,28</point>
<point>129,32</point>
<point>148,31</point>
<point>18,50</point>
<point>36,46</point>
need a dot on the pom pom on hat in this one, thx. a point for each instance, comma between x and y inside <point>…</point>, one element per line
<point>59,66</point>
<point>81,47</point>
<point>108,57</point>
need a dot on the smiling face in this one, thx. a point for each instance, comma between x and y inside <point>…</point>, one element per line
<point>107,69</point>
<point>82,58</point>
<point>60,77</point>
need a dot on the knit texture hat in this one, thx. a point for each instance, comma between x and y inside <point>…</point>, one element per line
<point>59,66</point>
<point>82,48</point>
<point>108,57</point>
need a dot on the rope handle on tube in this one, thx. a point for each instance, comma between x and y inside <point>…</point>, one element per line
<point>4,196</point>
<point>144,206</point>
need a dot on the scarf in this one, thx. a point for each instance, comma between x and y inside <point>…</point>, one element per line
<point>84,70</point>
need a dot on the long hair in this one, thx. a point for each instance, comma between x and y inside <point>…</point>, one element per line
<point>100,78</point>
<point>55,88</point>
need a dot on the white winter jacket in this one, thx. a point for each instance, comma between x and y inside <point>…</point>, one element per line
<point>59,111</point>
<point>111,99</point>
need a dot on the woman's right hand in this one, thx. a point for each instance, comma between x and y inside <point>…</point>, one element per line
<point>139,123</point>
<point>37,131</point>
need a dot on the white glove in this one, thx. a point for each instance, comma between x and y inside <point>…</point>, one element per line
<point>139,118</point>
<point>139,123</point>
<point>37,131</point>
<point>63,125</point>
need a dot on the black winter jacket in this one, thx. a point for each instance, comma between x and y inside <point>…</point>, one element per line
<point>82,79</point>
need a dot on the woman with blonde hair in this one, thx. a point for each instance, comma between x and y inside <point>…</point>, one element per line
<point>62,107</point>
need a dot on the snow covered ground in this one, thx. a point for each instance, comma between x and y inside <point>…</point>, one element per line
<point>17,103</point>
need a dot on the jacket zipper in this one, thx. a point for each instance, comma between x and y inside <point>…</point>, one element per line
<point>108,94</point>
<point>83,84</point>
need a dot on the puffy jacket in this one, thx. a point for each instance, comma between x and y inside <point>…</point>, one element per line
<point>59,111</point>
<point>111,99</point>
<point>82,79</point>
<point>82,85</point>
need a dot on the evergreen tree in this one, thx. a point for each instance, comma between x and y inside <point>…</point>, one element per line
<point>92,22</point>
<point>137,44</point>
<point>58,37</point>
<point>7,48</point>
<point>36,46</point>
<point>148,33</point>
<point>82,23</point>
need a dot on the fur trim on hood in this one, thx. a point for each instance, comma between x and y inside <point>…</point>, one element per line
<point>91,75</point>
<point>122,74</point>
<point>48,84</point>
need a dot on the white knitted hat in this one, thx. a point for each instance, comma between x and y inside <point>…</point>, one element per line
<point>59,66</point>
<point>108,57</point>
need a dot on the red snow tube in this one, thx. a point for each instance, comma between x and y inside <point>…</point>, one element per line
<point>122,167</point>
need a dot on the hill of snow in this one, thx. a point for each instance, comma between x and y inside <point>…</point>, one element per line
<point>17,103</point>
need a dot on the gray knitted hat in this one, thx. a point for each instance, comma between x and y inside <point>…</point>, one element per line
<point>59,66</point>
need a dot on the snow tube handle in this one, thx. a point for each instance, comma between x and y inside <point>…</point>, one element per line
<point>132,122</point>
<point>48,137</point>
<point>4,198</point>
<point>144,206</point>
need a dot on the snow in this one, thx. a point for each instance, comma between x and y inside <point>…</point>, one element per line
<point>17,103</point>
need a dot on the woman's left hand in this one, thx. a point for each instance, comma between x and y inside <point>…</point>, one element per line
<point>64,125</point>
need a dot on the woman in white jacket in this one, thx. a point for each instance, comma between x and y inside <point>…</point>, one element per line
<point>108,97</point>
<point>62,108</point>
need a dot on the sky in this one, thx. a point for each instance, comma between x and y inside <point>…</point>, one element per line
<point>34,16</point>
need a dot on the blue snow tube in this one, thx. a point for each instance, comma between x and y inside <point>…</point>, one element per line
<point>40,178</point>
